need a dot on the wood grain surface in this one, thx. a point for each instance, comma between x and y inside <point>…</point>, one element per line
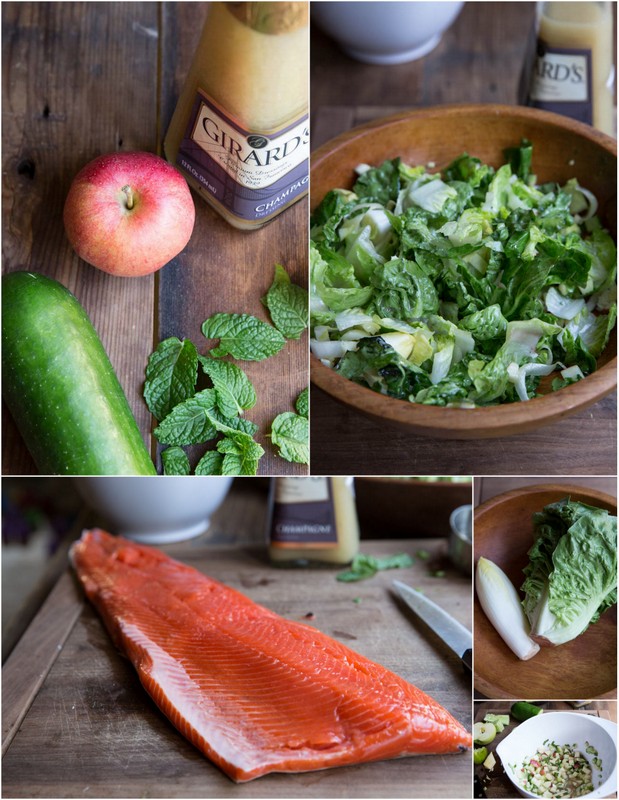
<point>81,79</point>
<point>469,65</point>
<point>79,724</point>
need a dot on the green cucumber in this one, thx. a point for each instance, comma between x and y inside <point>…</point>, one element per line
<point>60,386</point>
<point>523,710</point>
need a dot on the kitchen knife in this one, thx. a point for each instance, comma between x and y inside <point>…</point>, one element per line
<point>452,632</point>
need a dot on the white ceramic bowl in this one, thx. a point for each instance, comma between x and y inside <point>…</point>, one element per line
<point>563,727</point>
<point>385,32</point>
<point>157,509</point>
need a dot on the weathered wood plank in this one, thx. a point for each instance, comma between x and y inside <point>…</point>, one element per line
<point>227,270</point>
<point>79,79</point>
<point>30,662</point>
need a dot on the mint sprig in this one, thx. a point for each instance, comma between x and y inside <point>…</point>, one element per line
<point>190,422</point>
<point>241,454</point>
<point>242,336</point>
<point>302,403</point>
<point>210,463</point>
<point>171,376</point>
<point>188,417</point>
<point>290,433</point>
<point>235,392</point>
<point>175,461</point>
<point>288,305</point>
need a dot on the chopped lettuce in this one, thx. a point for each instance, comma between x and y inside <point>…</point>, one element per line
<point>471,287</point>
<point>571,577</point>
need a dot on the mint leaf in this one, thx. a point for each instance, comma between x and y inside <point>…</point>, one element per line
<point>171,375</point>
<point>242,336</point>
<point>241,454</point>
<point>190,422</point>
<point>365,566</point>
<point>290,432</point>
<point>210,463</point>
<point>240,424</point>
<point>235,392</point>
<point>199,419</point>
<point>175,461</point>
<point>287,304</point>
<point>302,403</point>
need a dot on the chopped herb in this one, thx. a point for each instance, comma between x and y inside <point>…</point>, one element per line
<point>366,566</point>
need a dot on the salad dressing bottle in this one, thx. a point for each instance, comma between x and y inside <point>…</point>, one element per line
<point>573,72</point>
<point>312,520</point>
<point>240,133</point>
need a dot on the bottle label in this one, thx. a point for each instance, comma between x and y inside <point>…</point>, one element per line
<point>303,513</point>
<point>561,82</point>
<point>251,173</point>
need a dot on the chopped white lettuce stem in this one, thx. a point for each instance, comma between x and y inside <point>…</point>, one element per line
<point>573,373</point>
<point>397,325</point>
<point>441,363</point>
<point>502,606</point>
<point>402,343</point>
<point>331,351</point>
<point>518,375</point>
<point>563,307</point>
<point>354,317</point>
<point>321,333</point>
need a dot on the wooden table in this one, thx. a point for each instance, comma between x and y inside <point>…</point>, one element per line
<point>479,60</point>
<point>82,79</point>
<point>76,722</point>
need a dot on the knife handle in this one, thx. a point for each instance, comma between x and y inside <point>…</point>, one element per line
<point>467,661</point>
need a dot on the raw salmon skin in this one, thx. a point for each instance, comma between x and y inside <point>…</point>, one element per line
<point>253,691</point>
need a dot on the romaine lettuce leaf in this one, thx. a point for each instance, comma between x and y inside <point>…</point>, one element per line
<point>571,577</point>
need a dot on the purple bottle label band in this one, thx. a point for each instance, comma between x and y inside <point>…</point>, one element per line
<point>251,174</point>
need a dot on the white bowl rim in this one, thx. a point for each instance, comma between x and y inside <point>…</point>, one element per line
<point>605,789</point>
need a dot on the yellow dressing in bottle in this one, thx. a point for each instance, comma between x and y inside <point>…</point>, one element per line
<point>574,70</point>
<point>313,520</point>
<point>240,133</point>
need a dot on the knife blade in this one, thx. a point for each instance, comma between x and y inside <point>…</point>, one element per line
<point>453,633</point>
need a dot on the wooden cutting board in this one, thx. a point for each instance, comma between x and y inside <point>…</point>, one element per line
<point>77,723</point>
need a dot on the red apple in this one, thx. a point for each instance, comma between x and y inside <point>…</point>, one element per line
<point>128,213</point>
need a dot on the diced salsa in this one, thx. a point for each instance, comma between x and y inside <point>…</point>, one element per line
<point>558,771</point>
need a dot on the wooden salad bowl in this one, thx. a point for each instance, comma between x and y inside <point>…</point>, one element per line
<point>562,149</point>
<point>582,669</point>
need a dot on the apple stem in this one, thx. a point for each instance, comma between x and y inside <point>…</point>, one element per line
<point>129,195</point>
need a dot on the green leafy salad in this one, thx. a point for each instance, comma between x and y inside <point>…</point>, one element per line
<point>463,288</point>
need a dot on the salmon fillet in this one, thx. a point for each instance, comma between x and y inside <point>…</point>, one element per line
<point>254,692</point>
